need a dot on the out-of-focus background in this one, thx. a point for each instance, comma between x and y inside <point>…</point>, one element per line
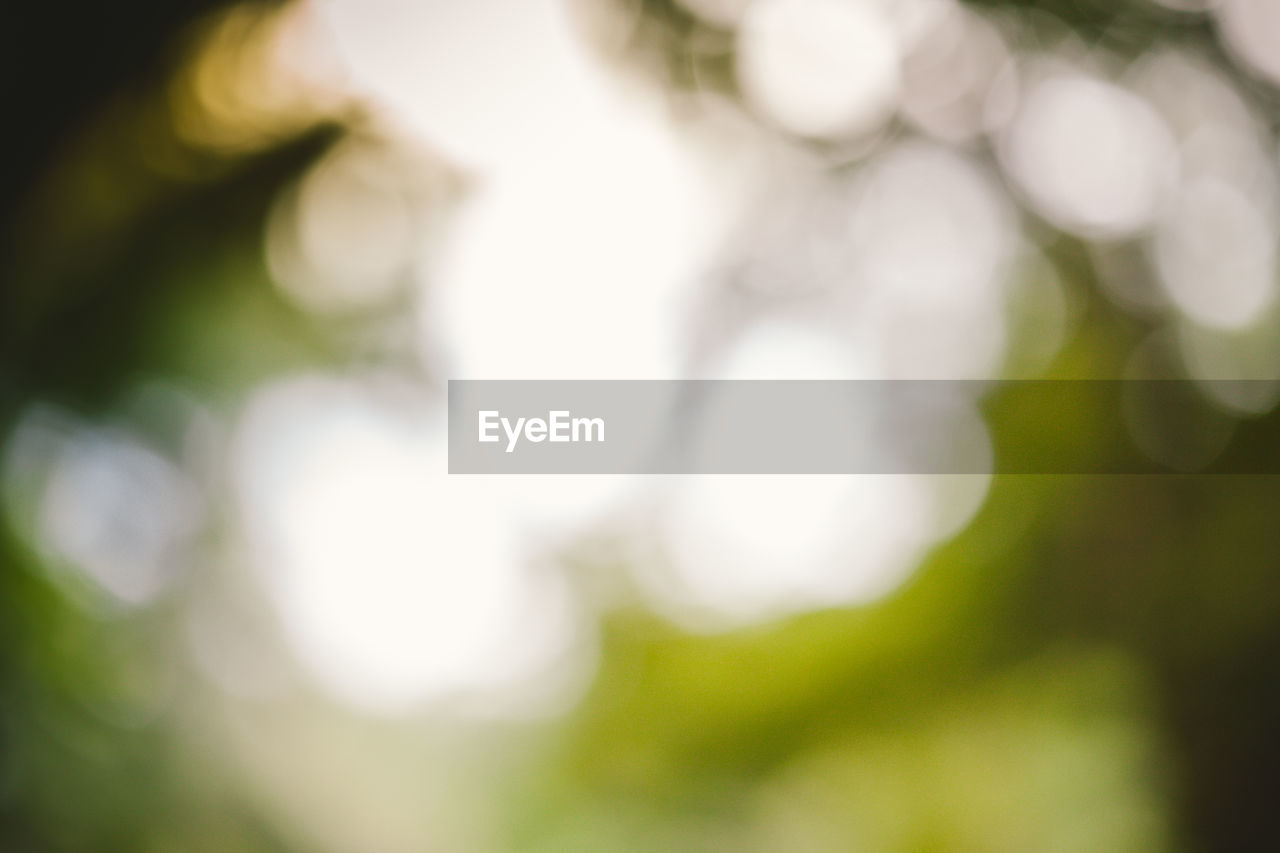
<point>242,607</point>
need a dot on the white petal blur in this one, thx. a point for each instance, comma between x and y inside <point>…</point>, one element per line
<point>394,584</point>
<point>486,82</point>
<point>819,68</point>
<point>740,549</point>
<point>344,239</point>
<point>578,266</point>
<point>931,237</point>
<point>1090,156</point>
<point>747,548</point>
<point>1219,134</point>
<point>949,74</point>
<point>1216,255</point>
<point>1250,30</point>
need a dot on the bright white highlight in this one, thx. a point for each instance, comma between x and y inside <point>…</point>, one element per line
<point>777,349</point>
<point>576,267</point>
<point>750,547</point>
<point>394,584</point>
<point>746,548</point>
<point>487,82</point>
<point>1091,157</point>
<point>821,68</point>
